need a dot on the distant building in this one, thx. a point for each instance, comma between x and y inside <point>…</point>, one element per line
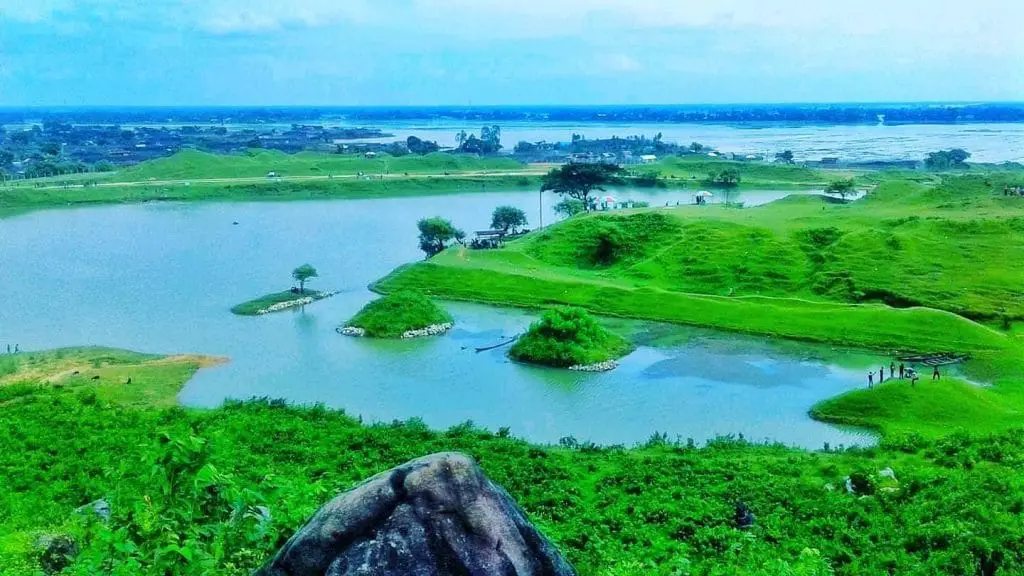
<point>830,160</point>
<point>370,155</point>
<point>648,158</point>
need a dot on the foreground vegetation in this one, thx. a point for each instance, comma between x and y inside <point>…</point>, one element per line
<point>394,314</point>
<point>568,336</point>
<point>217,491</point>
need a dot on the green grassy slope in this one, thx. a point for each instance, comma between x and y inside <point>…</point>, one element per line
<point>257,163</point>
<point>184,487</point>
<point>912,267</point>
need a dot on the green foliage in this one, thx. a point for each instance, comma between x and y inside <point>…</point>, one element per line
<point>217,491</point>
<point>508,218</point>
<point>944,159</point>
<point>436,233</point>
<point>725,178</point>
<point>841,187</point>
<point>569,207</point>
<point>253,307</point>
<point>394,314</point>
<point>579,180</point>
<point>302,274</point>
<point>568,336</point>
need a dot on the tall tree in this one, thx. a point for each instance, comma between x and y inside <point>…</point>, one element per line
<point>579,180</point>
<point>507,218</point>
<point>436,233</point>
<point>841,187</point>
<point>302,274</point>
<point>785,156</point>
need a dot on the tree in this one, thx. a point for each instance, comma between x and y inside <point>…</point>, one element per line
<point>696,147</point>
<point>507,217</point>
<point>6,157</point>
<point>103,166</point>
<point>51,148</point>
<point>460,138</point>
<point>579,180</point>
<point>436,233</point>
<point>943,159</point>
<point>397,149</point>
<point>841,187</point>
<point>421,147</point>
<point>569,207</point>
<point>303,273</point>
<point>728,178</point>
<point>785,156</point>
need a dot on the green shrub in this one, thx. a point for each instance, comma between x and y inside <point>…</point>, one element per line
<point>568,336</point>
<point>390,316</point>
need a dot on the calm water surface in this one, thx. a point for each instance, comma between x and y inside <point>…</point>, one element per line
<point>162,277</point>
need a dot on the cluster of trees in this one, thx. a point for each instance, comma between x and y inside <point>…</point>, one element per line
<point>489,141</point>
<point>413,145</point>
<point>943,159</point>
<point>508,219</point>
<point>784,156</point>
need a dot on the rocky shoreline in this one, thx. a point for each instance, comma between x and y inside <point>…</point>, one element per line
<point>596,367</point>
<point>297,302</point>
<point>432,330</point>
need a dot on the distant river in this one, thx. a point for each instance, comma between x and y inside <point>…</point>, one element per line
<point>161,277</point>
<point>985,142</point>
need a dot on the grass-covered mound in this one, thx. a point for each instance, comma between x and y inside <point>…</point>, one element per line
<point>395,314</point>
<point>186,488</point>
<point>272,302</point>
<point>568,336</point>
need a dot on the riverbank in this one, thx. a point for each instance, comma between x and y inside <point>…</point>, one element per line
<point>910,268</point>
<point>279,301</point>
<point>614,511</point>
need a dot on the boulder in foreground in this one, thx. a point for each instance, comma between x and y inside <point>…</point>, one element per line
<point>434,516</point>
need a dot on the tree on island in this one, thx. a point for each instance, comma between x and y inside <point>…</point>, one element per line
<point>785,156</point>
<point>579,180</point>
<point>489,141</point>
<point>302,274</point>
<point>697,147</point>
<point>507,218</point>
<point>841,187</point>
<point>436,233</point>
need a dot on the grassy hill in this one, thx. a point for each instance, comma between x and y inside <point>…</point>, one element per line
<point>912,267</point>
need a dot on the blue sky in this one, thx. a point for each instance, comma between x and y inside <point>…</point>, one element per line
<point>426,52</point>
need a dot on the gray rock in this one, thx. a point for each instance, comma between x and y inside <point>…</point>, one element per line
<point>101,508</point>
<point>434,516</point>
<point>56,552</point>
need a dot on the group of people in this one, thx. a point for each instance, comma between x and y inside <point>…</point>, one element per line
<point>1013,190</point>
<point>16,349</point>
<point>904,373</point>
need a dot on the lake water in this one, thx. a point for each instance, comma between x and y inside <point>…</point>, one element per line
<point>161,277</point>
<point>990,142</point>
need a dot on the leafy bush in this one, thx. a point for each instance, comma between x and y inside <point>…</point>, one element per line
<point>390,316</point>
<point>568,336</point>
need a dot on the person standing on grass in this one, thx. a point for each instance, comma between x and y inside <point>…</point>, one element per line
<point>892,369</point>
<point>871,379</point>
<point>881,374</point>
<point>901,370</point>
<point>935,374</point>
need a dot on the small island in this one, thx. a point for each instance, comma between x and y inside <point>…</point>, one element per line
<point>569,337</point>
<point>283,300</point>
<point>403,314</point>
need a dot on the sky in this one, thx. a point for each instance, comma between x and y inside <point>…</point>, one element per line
<point>484,52</point>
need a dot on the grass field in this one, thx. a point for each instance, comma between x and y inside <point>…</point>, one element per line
<point>912,267</point>
<point>185,487</point>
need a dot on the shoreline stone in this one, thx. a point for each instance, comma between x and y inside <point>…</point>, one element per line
<point>297,302</point>
<point>432,330</point>
<point>596,367</point>
<point>354,331</point>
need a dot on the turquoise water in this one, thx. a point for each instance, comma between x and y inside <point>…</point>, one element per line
<point>162,277</point>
